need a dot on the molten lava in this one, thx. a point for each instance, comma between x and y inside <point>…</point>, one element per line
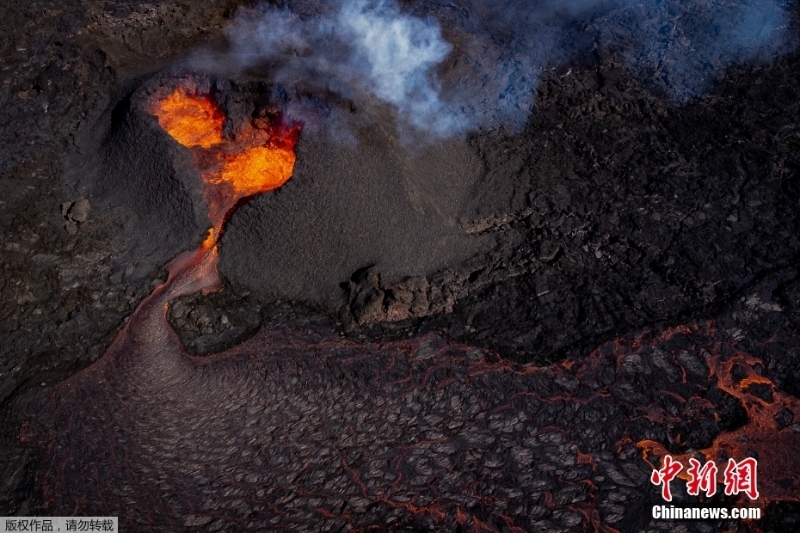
<point>258,169</point>
<point>190,120</point>
<point>774,445</point>
<point>258,159</point>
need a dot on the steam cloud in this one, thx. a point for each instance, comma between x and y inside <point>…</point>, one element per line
<point>364,47</point>
<point>487,77</point>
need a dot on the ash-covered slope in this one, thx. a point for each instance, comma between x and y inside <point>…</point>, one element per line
<point>127,166</point>
<point>354,203</point>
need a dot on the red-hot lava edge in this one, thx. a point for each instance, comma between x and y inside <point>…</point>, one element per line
<point>296,429</point>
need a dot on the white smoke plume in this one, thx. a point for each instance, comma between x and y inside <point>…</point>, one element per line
<point>364,48</point>
<point>376,49</point>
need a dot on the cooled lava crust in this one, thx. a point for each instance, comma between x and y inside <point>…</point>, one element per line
<point>297,426</point>
<point>500,333</point>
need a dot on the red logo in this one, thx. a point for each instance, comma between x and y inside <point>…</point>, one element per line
<point>739,477</point>
<point>704,479</point>
<point>665,475</point>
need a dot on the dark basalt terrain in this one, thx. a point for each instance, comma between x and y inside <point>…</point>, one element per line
<point>467,333</point>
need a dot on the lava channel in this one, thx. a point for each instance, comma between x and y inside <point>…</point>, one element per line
<point>767,436</point>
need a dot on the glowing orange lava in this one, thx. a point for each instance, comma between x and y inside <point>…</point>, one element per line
<point>773,446</point>
<point>210,240</point>
<point>191,120</point>
<point>260,158</point>
<point>258,169</point>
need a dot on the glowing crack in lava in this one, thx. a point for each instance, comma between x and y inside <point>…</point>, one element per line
<point>260,158</point>
<point>297,429</point>
<point>768,437</point>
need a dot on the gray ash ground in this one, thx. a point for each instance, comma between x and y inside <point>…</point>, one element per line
<point>616,210</point>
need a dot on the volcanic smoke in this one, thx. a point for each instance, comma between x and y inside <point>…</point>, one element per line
<point>487,75</point>
<point>517,176</point>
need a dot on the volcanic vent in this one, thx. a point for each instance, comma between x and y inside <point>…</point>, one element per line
<point>259,158</point>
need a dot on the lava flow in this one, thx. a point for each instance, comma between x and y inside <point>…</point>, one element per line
<point>257,159</point>
<point>768,435</point>
<point>297,429</point>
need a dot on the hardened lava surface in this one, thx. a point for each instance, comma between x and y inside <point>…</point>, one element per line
<point>613,210</point>
<point>298,426</point>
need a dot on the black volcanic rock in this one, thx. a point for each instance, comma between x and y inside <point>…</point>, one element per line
<point>621,204</point>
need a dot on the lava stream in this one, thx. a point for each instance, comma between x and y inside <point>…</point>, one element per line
<point>774,445</point>
<point>299,429</point>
